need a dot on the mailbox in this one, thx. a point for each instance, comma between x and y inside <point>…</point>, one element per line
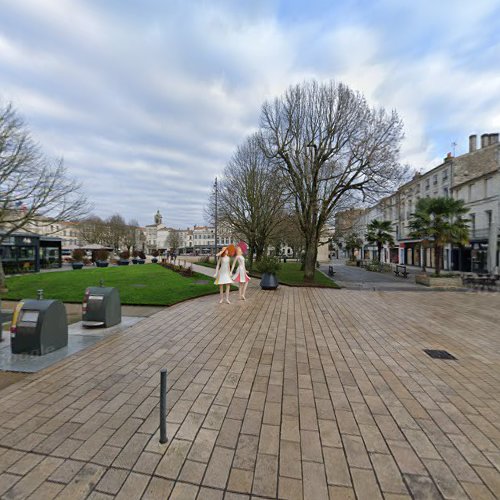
<point>101,307</point>
<point>39,327</point>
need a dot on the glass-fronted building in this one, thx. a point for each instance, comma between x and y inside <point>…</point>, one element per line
<point>28,252</point>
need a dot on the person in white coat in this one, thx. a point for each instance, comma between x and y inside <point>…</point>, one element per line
<point>222,274</point>
<point>241,277</point>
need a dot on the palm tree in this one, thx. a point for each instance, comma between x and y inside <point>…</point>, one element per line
<point>352,242</point>
<point>380,233</point>
<point>440,220</point>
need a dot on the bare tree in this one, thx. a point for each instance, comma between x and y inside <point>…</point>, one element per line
<point>33,189</point>
<point>93,230</point>
<point>133,237</point>
<point>252,196</point>
<point>330,145</point>
<point>174,240</point>
<point>117,231</point>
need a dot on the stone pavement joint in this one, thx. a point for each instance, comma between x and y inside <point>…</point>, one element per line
<point>298,393</point>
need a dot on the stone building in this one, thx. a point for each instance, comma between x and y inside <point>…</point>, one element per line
<point>473,177</point>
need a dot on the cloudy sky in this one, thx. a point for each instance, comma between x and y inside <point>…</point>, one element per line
<point>146,99</point>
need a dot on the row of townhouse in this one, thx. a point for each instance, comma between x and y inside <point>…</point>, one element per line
<point>197,240</point>
<point>473,177</point>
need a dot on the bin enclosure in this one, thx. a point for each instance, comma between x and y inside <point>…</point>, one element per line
<point>101,307</point>
<point>39,327</point>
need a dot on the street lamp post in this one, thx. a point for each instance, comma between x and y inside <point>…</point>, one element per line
<point>216,213</point>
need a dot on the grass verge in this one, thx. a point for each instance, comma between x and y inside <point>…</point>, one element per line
<point>149,284</point>
<point>291,275</point>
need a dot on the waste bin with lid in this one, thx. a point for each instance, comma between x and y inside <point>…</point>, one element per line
<point>101,307</point>
<point>38,327</point>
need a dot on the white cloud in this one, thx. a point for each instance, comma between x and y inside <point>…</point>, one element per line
<point>147,106</point>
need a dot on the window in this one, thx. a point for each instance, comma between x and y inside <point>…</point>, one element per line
<point>489,217</point>
<point>435,179</point>
<point>445,175</point>
<point>445,192</point>
<point>427,183</point>
<point>470,191</point>
<point>473,223</point>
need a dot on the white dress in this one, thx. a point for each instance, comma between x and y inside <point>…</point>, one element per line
<point>223,272</point>
<point>241,276</point>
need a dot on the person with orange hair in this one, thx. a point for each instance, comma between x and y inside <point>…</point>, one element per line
<point>222,274</point>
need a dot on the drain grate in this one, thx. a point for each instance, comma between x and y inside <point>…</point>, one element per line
<point>436,354</point>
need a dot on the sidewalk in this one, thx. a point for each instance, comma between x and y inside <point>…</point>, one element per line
<point>357,278</point>
<point>298,393</point>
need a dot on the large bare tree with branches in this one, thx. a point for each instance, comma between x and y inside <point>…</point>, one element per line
<point>330,144</point>
<point>33,189</point>
<point>252,196</point>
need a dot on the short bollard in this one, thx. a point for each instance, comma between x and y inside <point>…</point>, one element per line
<point>163,406</point>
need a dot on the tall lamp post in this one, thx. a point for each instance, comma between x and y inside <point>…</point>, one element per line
<point>216,213</point>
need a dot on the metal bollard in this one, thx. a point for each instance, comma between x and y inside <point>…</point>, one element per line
<point>163,406</point>
<point>39,294</point>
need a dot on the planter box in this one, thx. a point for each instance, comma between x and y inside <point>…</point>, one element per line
<point>77,265</point>
<point>439,282</point>
<point>351,263</point>
<point>154,260</point>
<point>134,261</point>
<point>123,262</point>
<point>102,263</point>
<point>141,261</point>
<point>269,281</point>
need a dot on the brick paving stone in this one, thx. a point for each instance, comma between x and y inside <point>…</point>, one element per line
<point>290,461</point>
<point>112,481</point>
<point>315,487</point>
<point>356,452</point>
<point>311,446</point>
<point>33,479</point>
<point>294,392</point>
<point>171,463</point>
<point>340,493</point>
<point>133,487</point>
<point>290,489</point>
<point>240,480</point>
<point>387,474</point>
<point>46,490</point>
<point>337,470</point>
<point>158,489</point>
<point>217,472</point>
<point>365,484</point>
<point>265,476</point>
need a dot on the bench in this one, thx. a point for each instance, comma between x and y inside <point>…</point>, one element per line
<point>401,270</point>
<point>331,272</point>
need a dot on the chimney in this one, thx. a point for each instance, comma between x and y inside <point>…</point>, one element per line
<point>485,139</point>
<point>448,158</point>
<point>493,139</point>
<point>472,143</point>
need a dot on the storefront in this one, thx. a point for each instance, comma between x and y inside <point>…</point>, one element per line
<point>26,252</point>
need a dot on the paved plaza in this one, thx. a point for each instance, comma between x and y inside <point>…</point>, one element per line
<point>298,393</point>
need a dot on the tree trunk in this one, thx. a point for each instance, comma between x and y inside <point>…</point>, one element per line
<point>251,251</point>
<point>310,261</point>
<point>422,257</point>
<point>3,288</point>
<point>437,258</point>
<point>379,247</point>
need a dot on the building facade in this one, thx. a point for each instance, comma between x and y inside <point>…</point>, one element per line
<point>473,177</point>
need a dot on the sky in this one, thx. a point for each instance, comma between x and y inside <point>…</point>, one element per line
<point>146,100</point>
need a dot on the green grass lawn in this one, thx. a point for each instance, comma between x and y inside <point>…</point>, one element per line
<point>290,274</point>
<point>148,284</point>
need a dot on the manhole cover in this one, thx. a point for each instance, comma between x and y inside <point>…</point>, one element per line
<point>137,285</point>
<point>201,282</point>
<point>436,354</point>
